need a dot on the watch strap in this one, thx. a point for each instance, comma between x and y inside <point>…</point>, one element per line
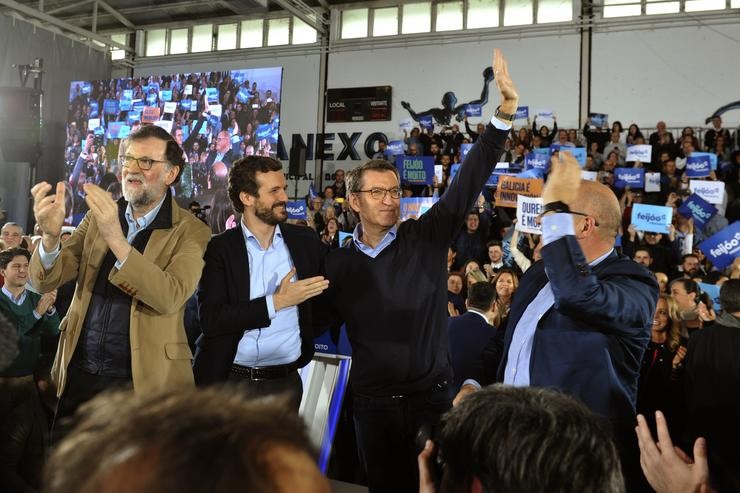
<point>503,116</point>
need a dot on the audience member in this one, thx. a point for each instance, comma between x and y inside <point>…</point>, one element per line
<point>11,234</point>
<point>185,441</point>
<point>519,440</point>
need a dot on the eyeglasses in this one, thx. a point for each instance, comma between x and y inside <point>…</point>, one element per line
<point>596,223</point>
<point>144,163</point>
<point>379,193</point>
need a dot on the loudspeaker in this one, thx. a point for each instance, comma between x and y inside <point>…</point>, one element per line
<point>297,165</point>
<point>20,123</point>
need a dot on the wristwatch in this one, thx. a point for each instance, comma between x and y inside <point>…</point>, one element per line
<point>503,116</point>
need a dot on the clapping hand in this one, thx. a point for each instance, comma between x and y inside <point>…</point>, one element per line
<point>49,212</point>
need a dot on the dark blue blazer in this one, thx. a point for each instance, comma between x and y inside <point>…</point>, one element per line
<point>224,306</point>
<point>591,342</point>
<point>468,334</point>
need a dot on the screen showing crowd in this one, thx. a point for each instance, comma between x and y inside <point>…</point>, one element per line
<point>216,117</point>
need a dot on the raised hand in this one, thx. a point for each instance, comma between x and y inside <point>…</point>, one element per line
<point>49,212</point>
<point>506,87</point>
<point>564,180</point>
<point>294,293</point>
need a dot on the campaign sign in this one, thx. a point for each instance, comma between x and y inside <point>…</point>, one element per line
<point>267,131</point>
<point>416,170</point>
<point>296,209</point>
<point>545,113</point>
<point>453,170</point>
<point>170,107</point>
<point>527,210</point>
<point>150,114</point>
<point>133,116</point>
<point>216,110</point>
<point>243,95</point>
<point>711,191</point>
<point>426,122</point>
<point>589,175</point>
<point>473,110</point>
<point>698,166</point>
<point>212,94</point>
<point>125,102</point>
<point>712,291</point>
<point>188,90</point>
<point>545,151</point>
<point>464,150</point>
<point>93,109</point>
<point>631,177</point>
<point>99,131</point>
<point>577,152</point>
<point>165,95</point>
<point>522,113</point>
<point>640,153</point>
<point>394,148</point>
<point>124,132</point>
<point>413,207</point>
<point>405,124</point>
<point>93,123</point>
<point>535,160</point>
<point>653,218</point>
<point>151,100</point>
<point>724,247</point>
<point>599,119</point>
<point>110,106</point>
<point>698,208</point>
<point>438,172</point>
<point>115,130</point>
<point>509,187</point>
<point>165,125</point>
<point>711,156</point>
<point>137,105</point>
<point>652,182</point>
<point>185,104</point>
<point>194,105</point>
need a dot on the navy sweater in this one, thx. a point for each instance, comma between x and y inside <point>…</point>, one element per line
<point>395,305</point>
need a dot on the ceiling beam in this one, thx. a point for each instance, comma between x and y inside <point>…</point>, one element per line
<point>68,7</point>
<point>304,13</point>
<point>243,8</point>
<point>120,17</point>
<point>42,16</point>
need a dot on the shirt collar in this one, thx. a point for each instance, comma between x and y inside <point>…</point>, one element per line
<point>357,234</point>
<point>480,314</point>
<point>10,296</point>
<point>144,220</point>
<point>277,237</point>
<point>600,259</point>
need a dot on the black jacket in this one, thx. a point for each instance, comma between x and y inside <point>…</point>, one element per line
<point>225,308</point>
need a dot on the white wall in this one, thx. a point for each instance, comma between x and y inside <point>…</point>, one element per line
<point>679,75</point>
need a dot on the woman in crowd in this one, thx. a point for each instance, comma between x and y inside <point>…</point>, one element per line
<point>506,283</point>
<point>617,127</point>
<point>330,234</point>
<point>455,294</point>
<point>659,386</point>
<point>475,275</point>
<point>691,310</point>
<point>633,134</point>
<point>689,132</point>
<point>469,266</point>
<point>544,133</point>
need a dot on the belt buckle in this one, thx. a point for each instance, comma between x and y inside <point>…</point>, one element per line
<point>254,375</point>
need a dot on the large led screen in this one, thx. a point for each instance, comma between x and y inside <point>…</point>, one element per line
<point>216,117</point>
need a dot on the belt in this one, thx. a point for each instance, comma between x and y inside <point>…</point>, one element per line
<point>264,372</point>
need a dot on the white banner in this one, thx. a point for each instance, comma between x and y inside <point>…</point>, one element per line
<point>652,182</point>
<point>170,107</point>
<point>711,191</point>
<point>640,153</point>
<point>527,210</point>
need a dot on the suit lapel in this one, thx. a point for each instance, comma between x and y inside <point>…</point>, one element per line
<point>239,261</point>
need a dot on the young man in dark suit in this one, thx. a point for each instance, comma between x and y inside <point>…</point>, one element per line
<point>255,290</point>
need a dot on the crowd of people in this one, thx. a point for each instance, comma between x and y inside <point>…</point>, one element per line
<point>548,345</point>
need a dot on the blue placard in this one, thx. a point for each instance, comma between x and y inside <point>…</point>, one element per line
<point>632,177</point>
<point>86,88</point>
<point>185,131</point>
<point>653,218</point>
<point>114,130</point>
<point>712,291</point>
<point>724,247</point>
<point>203,128</point>
<point>522,113</point>
<point>124,132</point>
<point>124,103</point>
<point>110,106</point>
<point>99,131</point>
<point>698,165</point>
<point>194,105</point>
<point>453,170</point>
<point>416,170</point>
<point>545,151</point>
<point>473,110</point>
<point>577,152</point>
<point>151,100</point>
<point>212,94</point>
<point>185,104</point>
<point>165,95</point>
<point>599,119</point>
<point>267,131</point>
<point>137,106</point>
<point>535,160</point>
<point>426,122</point>
<point>493,179</point>
<point>93,109</point>
<point>712,158</point>
<point>698,208</point>
<point>243,95</point>
<point>133,116</point>
<point>394,148</point>
<point>297,209</point>
<point>413,207</point>
<point>464,150</point>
